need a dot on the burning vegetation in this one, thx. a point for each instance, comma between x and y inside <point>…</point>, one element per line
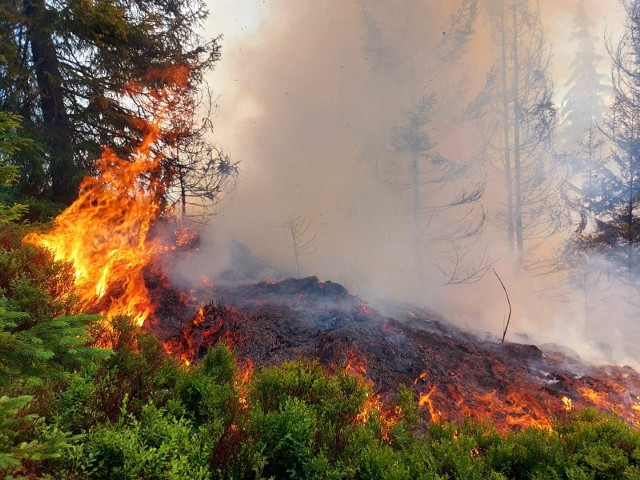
<point>112,238</point>
<point>106,234</point>
<point>311,363</point>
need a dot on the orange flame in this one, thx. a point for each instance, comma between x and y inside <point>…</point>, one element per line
<point>425,399</point>
<point>372,404</point>
<point>242,383</point>
<point>104,234</point>
<point>514,410</point>
<point>597,398</point>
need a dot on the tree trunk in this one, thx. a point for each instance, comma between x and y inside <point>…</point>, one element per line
<point>415,190</point>
<point>507,143</point>
<point>63,171</point>
<point>416,209</point>
<point>516,138</point>
<point>183,196</point>
<point>630,232</point>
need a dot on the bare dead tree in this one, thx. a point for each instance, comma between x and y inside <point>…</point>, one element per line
<point>506,325</point>
<point>519,118</point>
<point>444,193</point>
<point>203,173</point>
<point>460,269</point>
<point>301,243</point>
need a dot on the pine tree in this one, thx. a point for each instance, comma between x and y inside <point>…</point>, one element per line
<point>583,105</point>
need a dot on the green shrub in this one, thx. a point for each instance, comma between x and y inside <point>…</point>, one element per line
<point>288,438</point>
<point>154,445</point>
<point>33,283</point>
<point>601,446</point>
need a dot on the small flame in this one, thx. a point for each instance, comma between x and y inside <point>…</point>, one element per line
<point>425,399</point>
<point>355,363</point>
<point>597,398</point>
<point>242,383</point>
<point>372,405</point>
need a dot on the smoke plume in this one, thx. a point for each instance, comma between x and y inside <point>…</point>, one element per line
<point>313,97</point>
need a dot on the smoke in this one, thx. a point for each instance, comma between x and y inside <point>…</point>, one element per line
<point>311,96</point>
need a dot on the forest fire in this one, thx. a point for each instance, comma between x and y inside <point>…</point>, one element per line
<point>109,233</point>
<point>514,386</point>
<point>108,236</point>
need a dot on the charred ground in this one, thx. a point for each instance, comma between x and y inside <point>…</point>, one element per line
<point>453,374</point>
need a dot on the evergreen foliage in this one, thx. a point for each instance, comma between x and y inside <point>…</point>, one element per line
<point>10,144</point>
<point>610,223</point>
<point>73,71</point>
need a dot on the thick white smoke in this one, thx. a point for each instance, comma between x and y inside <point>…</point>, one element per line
<point>312,124</point>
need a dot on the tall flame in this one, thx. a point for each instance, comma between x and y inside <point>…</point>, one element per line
<point>104,234</point>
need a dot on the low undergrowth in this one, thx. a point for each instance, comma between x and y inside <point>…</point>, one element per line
<point>141,414</point>
<point>72,411</point>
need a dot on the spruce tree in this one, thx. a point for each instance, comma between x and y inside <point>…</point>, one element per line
<point>583,106</point>
<point>611,225</point>
<point>69,68</point>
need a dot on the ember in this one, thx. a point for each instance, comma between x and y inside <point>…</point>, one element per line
<point>515,386</point>
<point>107,234</point>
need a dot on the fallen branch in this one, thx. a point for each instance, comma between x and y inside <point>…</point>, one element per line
<point>506,327</point>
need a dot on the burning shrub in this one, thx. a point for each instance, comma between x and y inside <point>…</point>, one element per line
<point>149,416</point>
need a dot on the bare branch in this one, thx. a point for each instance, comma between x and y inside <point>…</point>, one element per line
<point>506,326</point>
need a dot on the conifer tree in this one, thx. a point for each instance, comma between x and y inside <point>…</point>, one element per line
<point>583,106</point>
<point>611,224</point>
<point>442,190</point>
<point>10,142</point>
<point>32,350</point>
<point>67,67</point>
<point>518,113</point>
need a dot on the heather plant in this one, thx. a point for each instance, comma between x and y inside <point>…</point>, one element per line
<point>154,444</point>
<point>296,420</point>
